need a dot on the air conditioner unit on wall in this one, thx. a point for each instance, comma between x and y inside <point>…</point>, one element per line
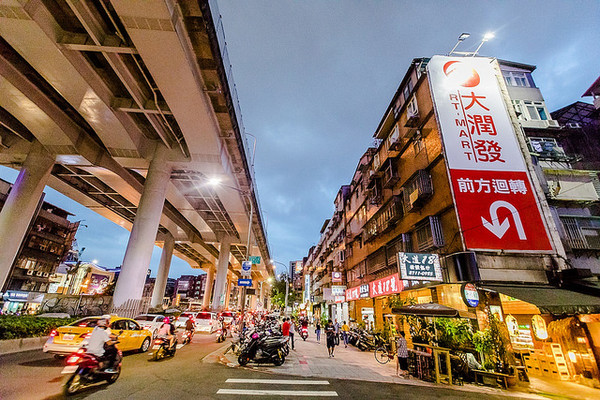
<point>30,272</point>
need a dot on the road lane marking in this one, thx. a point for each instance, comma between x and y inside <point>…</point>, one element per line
<point>278,381</point>
<point>250,392</point>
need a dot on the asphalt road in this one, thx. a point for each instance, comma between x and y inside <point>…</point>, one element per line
<point>35,375</point>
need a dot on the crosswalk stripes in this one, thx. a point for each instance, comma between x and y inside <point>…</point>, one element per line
<point>277,392</point>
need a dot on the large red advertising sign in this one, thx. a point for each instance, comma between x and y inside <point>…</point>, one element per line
<point>493,195</point>
<point>388,285</point>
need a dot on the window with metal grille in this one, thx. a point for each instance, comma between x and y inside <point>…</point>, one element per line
<point>429,234</point>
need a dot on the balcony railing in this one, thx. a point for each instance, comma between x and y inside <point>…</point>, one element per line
<point>581,233</point>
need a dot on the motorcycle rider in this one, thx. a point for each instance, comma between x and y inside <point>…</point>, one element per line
<point>167,331</point>
<point>101,344</point>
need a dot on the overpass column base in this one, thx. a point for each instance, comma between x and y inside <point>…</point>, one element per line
<point>132,278</point>
<point>221,279</point>
<point>160,284</point>
<point>210,279</point>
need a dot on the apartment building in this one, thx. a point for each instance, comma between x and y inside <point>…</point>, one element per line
<point>456,205</point>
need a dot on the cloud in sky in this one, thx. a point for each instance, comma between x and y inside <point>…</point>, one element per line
<point>315,77</point>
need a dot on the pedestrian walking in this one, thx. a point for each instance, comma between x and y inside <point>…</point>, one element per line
<point>345,330</point>
<point>318,332</point>
<point>292,330</point>
<point>402,362</point>
<point>330,333</point>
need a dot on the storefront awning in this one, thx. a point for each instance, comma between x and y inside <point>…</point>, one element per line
<point>427,310</point>
<point>550,299</point>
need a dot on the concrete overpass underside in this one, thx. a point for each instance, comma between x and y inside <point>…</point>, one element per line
<point>128,107</point>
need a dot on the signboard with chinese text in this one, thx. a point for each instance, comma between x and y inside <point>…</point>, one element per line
<point>384,286</point>
<point>420,267</point>
<point>254,259</point>
<point>492,190</point>
<point>353,293</point>
<point>307,287</point>
<point>469,294</point>
<point>364,291</point>
<point>336,276</point>
<point>338,290</point>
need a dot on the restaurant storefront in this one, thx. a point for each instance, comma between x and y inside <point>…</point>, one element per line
<point>554,332</point>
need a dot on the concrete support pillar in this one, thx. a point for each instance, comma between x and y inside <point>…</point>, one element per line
<point>130,284</point>
<point>253,300</point>
<point>221,278</point>
<point>21,205</point>
<point>261,296</point>
<point>210,278</point>
<point>163,271</point>
<point>240,298</point>
<point>228,292</point>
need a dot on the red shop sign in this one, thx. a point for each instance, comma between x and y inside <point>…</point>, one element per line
<point>388,285</point>
<point>353,293</point>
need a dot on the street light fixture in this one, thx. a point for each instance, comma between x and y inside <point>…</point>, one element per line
<point>461,38</point>
<point>486,37</point>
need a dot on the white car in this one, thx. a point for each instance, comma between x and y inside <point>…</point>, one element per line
<point>206,322</point>
<point>182,319</point>
<point>152,322</point>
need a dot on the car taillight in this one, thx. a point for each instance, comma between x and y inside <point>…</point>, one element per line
<point>53,333</point>
<point>86,335</point>
<point>158,341</point>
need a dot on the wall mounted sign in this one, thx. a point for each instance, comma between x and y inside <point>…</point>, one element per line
<point>246,268</point>
<point>338,290</point>
<point>245,282</point>
<point>385,286</point>
<point>336,276</point>
<point>492,190</point>
<point>420,267</point>
<point>469,294</point>
<point>364,291</point>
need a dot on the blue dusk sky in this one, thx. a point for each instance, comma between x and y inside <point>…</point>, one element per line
<point>314,78</point>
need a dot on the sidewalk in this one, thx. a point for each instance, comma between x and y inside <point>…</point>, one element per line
<point>310,359</point>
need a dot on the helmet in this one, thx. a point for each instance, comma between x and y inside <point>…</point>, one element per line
<point>166,320</point>
<point>104,320</point>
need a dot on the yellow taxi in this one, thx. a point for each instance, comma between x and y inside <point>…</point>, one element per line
<point>68,339</point>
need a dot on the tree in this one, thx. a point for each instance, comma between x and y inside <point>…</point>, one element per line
<point>278,293</point>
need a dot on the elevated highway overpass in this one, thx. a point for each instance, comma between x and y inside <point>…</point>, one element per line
<point>129,108</point>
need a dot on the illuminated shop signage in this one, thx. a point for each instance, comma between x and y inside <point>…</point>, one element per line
<point>420,267</point>
<point>336,276</point>
<point>492,191</point>
<point>388,285</point>
<point>357,292</point>
<point>470,295</point>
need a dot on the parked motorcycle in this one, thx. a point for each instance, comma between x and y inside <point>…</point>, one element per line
<point>161,348</point>
<point>86,369</point>
<point>263,349</point>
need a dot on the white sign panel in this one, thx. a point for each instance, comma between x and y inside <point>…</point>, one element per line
<point>477,131</point>
<point>493,195</point>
